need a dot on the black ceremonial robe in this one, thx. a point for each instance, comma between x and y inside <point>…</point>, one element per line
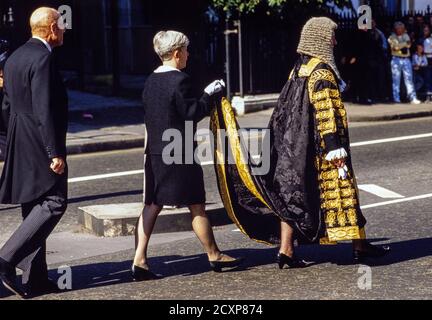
<point>301,187</point>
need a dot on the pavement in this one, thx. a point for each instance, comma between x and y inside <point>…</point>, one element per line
<point>100,123</point>
<point>385,112</point>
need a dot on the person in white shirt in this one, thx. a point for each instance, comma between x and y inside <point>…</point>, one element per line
<point>420,66</point>
<point>427,44</point>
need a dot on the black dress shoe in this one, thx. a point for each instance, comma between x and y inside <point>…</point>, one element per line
<point>8,278</point>
<point>370,252</point>
<point>292,263</point>
<point>41,288</point>
<point>141,274</point>
<point>218,265</point>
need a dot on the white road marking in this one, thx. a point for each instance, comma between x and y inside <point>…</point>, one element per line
<point>106,282</point>
<point>386,203</point>
<point>379,191</point>
<point>363,143</point>
<point>106,176</point>
<point>206,163</point>
<point>181,260</point>
<point>379,141</point>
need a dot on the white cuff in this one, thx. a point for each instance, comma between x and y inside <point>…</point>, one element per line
<point>343,172</point>
<point>336,154</point>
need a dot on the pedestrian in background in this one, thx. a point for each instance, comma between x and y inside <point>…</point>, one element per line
<point>168,104</point>
<point>370,63</point>
<point>427,45</point>
<point>410,24</point>
<point>420,66</point>
<point>400,44</point>
<point>383,69</point>
<point>419,25</point>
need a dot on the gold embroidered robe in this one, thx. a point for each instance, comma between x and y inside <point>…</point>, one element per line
<point>301,188</point>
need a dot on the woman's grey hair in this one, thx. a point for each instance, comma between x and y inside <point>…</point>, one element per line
<point>166,42</point>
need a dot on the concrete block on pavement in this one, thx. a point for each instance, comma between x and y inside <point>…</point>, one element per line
<point>247,104</point>
<point>115,220</point>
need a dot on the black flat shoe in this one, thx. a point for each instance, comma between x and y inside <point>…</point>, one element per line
<point>141,274</point>
<point>8,278</point>
<point>292,263</point>
<point>371,252</point>
<point>217,265</point>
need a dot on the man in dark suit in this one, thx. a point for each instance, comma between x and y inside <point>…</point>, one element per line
<point>35,171</point>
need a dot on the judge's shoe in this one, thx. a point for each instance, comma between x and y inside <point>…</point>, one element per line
<point>292,263</point>
<point>141,274</point>
<point>225,261</point>
<point>41,288</point>
<point>8,278</point>
<point>370,251</point>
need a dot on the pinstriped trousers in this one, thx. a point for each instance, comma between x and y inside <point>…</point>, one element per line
<point>26,248</point>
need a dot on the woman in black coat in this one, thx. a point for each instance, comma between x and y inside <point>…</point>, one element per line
<point>172,177</point>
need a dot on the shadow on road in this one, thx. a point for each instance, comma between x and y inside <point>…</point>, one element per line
<point>105,274</point>
<point>105,196</point>
<point>4,293</point>
<point>341,254</point>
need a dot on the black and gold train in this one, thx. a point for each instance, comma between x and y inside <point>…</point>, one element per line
<point>301,188</point>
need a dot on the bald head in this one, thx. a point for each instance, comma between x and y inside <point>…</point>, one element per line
<point>41,21</point>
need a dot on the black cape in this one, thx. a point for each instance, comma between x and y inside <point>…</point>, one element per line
<point>301,187</point>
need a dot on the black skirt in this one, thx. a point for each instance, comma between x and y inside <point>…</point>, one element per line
<point>174,184</point>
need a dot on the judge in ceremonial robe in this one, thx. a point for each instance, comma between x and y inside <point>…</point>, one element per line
<point>309,193</point>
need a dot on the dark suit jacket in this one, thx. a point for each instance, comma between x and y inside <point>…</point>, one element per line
<point>169,101</point>
<point>34,112</point>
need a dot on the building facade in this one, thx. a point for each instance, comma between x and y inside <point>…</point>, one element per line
<point>111,40</point>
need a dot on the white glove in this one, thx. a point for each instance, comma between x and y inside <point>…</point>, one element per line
<point>215,87</point>
<point>336,154</point>
<point>343,172</point>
